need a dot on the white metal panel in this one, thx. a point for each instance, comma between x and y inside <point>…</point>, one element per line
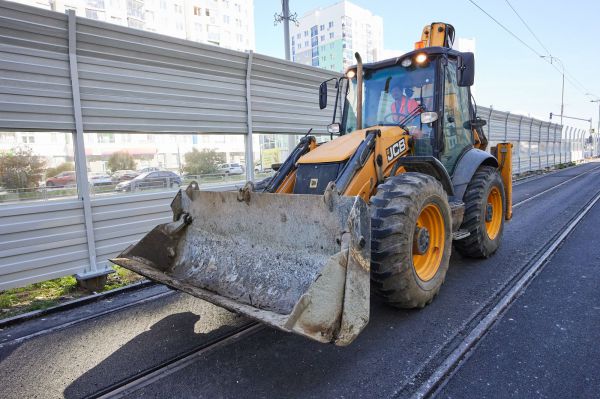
<point>41,239</point>
<point>122,220</point>
<point>143,82</point>
<point>35,91</point>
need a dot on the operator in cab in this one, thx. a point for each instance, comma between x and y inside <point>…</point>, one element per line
<point>403,103</point>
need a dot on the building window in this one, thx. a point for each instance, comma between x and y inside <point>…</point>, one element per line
<point>306,43</point>
<point>95,3</point>
<point>330,25</point>
<point>322,27</point>
<point>299,45</point>
<point>226,19</point>
<point>135,23</point>
<point>135,9</point>
<point>95,14</point>
<point>305,33</point>
<point>197,11</point>
<point>298,35</point>
<point>322,38</point>
<point>331,35</point>
<point>28,139</point>
<point>207,12</point>
<point>106,138</point>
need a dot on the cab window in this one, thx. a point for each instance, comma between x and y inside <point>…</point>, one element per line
<point>456,132</point>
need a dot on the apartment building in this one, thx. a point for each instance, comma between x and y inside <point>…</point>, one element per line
<point>328,37</point>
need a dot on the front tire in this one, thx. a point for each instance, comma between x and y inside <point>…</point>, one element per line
<point>411,237</point>
<point>485,207</point>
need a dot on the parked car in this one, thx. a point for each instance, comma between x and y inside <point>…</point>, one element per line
<point>149,169</point>
<point>124,174</point>
<point>150,180</point>
<point>230,169</point>
<point>62,179</point>
<point>99,179</point>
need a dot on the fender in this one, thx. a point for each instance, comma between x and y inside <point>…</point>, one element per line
<point>466,167</point>
<point>428,165</point>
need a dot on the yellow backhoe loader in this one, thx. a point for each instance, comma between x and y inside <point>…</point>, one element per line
<point>378,207</point>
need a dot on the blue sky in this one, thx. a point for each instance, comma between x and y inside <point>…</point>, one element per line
<point>508,75</point>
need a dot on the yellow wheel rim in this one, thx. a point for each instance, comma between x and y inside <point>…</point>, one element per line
<point>428,243</point>
<point>493,213</point>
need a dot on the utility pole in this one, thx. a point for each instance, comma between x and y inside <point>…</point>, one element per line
<point>562,95</point>
<point>285,10</point>
<point>597,101</point>
<point>285,17</point>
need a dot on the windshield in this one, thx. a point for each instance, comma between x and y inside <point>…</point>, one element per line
<point>390,94</point>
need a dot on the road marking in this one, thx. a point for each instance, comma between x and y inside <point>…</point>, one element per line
<point>455,359</point>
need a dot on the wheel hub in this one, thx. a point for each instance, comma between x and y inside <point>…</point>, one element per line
<point>421,240</point>
<point>489,213</point>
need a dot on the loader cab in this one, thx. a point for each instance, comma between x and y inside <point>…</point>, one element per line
<point>435,79</point>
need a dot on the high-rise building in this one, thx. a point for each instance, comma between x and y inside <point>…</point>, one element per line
<point>464,44</point>
<point>328,37</point>
<point>225,23</point>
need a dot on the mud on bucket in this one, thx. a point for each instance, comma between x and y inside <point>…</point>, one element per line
<point>296,262</point>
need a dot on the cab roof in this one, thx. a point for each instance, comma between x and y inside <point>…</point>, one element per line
<point>396,60</point>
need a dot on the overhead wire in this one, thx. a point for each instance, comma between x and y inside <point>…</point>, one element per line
<point>528,28</point>
<point>570,78</point>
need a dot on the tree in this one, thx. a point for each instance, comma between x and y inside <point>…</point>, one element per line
<point>202,162</point>
<point>63,167</point>
<point>121,160</point>
<point>20,168</point>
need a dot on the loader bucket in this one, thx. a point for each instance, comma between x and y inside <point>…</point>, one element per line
<point>296,262</point>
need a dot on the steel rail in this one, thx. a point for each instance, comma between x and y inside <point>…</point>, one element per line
<point>154,374</point>
<point>147,377</point>
<point>553,187</point>
<point>460,354</point>
<point>71,323</point>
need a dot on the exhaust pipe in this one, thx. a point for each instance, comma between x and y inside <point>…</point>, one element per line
<point>359,90</point>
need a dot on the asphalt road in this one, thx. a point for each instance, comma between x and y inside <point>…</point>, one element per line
<point>397,351</point>
<point>546,344</point>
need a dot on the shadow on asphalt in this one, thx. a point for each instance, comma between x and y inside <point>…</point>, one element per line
<point>164,339</point>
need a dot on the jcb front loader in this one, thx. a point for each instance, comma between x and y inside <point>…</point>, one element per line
<point>377,207</point>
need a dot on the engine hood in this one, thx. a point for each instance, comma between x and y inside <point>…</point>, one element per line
<point>341,148</point>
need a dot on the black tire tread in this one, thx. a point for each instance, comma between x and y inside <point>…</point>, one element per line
<point>475,245</point>
<point>394,210</point>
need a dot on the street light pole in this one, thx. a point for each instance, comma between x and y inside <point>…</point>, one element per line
<point>597,101</point>
<point>562,95</point>
<point>285,11</point>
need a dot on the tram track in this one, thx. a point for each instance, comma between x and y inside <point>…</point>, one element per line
<point>474,329</point>
<point>172,365</point>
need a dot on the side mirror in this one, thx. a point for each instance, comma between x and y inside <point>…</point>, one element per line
<point>333,128</point>
<point>323,95</point>
<point>466,69</point>
<point>275,166</point>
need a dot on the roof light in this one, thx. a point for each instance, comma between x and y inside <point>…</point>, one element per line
<point>351,74</point>
<point>406,62</point>
<point>421,58</point>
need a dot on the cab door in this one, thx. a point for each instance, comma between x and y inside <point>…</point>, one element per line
<point>457,135</point>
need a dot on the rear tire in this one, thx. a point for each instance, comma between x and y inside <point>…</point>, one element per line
<point>485,208</point>
<point>408,206</point>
